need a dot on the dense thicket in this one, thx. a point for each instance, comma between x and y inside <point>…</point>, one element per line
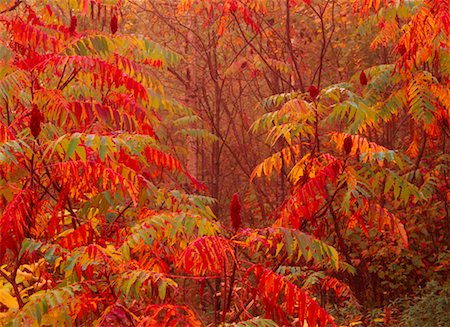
<point>235,163</point>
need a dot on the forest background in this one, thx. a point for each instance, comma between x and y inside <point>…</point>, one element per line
<point>234,163</point>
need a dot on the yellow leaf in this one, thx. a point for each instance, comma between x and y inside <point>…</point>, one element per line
<point>8,300</point>
<point>279,247</point>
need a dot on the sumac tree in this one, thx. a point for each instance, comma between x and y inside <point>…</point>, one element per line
<point>100,222</point>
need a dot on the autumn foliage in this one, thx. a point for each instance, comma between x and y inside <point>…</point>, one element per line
<point>108,218</point>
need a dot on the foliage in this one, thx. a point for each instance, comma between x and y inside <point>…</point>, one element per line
<point>101,224</point>
<point>430,308</point>
<point>366,151</point>
<point>102,130</point>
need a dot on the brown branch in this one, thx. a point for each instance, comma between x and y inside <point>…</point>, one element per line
<point>248,41</point>
<point>14,6</point>
<point>70,78</point>
<point>289,44</point>
<point>12,281</point>
<point>337,229</point>
<point>120,214</point>
<point>325,42</point>
<point>8,118</point>
<point>420,156</point>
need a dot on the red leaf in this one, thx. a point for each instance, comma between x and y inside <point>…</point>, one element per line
<point>312,313</point>
<point>128,160</point>
<point>208,254</point>
<point>233,5</point>
<point>16,220</point>
<point>401,49</point>
<point>78,237</point>
<point>348,144</point>
<point>301,307</point>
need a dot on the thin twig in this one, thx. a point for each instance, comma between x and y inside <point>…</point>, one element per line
<point>14,6</point>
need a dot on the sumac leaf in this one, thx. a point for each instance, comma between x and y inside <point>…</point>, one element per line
<point>348,144</point>
<point>401,49</point>
<point>233,5</point>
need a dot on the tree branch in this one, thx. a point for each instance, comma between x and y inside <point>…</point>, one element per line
<point>14,6</point>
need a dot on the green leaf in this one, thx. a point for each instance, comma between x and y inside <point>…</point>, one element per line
<point>103,147</point>
<point>73,143</point>
<point>162,290</point>
<point>388,184</point>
